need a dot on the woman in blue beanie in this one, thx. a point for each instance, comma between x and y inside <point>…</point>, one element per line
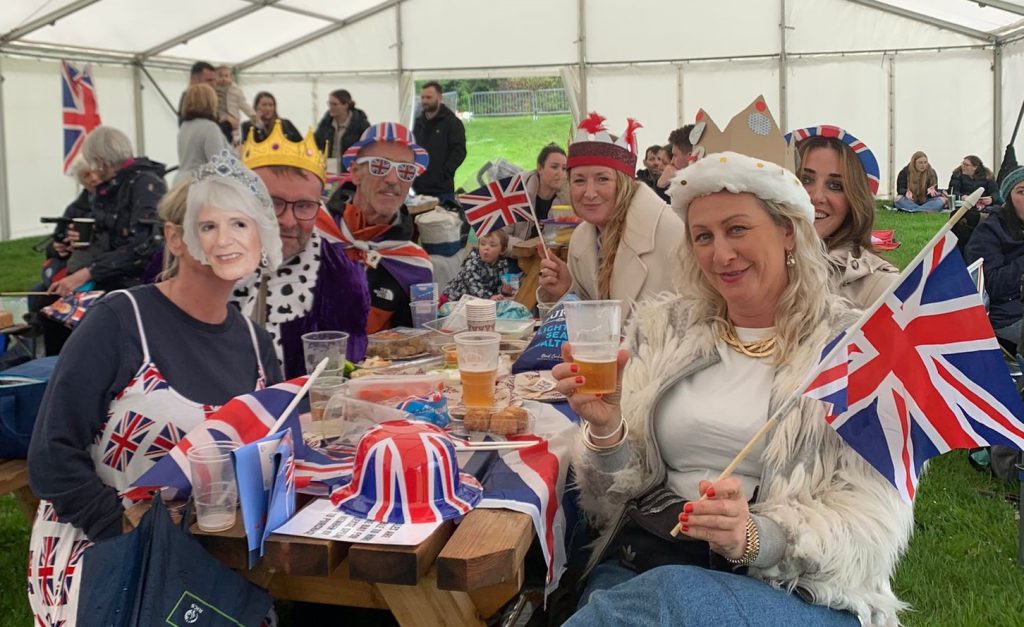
<point>999,240</point>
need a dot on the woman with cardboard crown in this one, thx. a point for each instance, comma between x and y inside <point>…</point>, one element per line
<point>842,193</point>
<point>804,530</point>
<point>626,247</point>
<point>143,368</point>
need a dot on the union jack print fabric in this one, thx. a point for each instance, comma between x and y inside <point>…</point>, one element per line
<point>922,375</point>
<point>80,112</point>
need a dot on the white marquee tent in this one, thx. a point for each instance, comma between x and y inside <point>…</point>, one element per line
<point>902,75</point>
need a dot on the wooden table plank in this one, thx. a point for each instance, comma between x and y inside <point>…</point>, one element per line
<point>424,605</point>
<point>336,589</point>
<point>490,600</point>
<point>487,549</point>
<point>404,565</point>
<point>296,555</point>
<point>13,475</point>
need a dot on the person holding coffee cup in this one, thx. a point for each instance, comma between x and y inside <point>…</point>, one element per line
<point>146,366</point>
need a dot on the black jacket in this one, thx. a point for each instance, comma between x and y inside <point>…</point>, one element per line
<point>1003,267</point>
<point>358,122</point>
<point>126,233</point>
<point>962,185</point>
<point>259,134</point>
<point>80,207</point>
<point>444,139</point>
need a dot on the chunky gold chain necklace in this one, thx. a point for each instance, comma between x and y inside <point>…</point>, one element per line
<point>758,349</point>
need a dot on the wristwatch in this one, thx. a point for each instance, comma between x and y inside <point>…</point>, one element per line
<point>753,546</point>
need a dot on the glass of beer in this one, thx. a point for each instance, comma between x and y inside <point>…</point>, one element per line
<point>594,328</point>
<point>478,366</point>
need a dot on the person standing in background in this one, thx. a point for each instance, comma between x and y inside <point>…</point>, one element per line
<point>201,72</point>
<point>342,125</point>
<point>443,136</point>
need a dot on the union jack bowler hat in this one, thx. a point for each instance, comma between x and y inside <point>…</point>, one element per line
<point>407,472</point>
<point>864,154</point>
<point>387,132</point>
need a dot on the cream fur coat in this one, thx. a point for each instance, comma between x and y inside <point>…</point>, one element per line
<point>829,523</point>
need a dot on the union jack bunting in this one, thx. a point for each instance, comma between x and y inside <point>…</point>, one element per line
<point>245,419</point>
<point>497,204</point>
<point>406,472</point>
<point>81,114</point>
<point>922,375</point>
<point>125,440</point>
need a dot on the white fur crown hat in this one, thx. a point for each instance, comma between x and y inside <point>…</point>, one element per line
<point>750,155</point>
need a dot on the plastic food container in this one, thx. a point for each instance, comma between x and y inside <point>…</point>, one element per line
<point>399,343</point>
<point>385,390</point>
<point>509,329</point>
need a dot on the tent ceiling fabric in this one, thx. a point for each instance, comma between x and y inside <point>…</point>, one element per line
<point>144,27</point>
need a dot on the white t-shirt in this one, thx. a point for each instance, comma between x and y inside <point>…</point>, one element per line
<point>704,420</point>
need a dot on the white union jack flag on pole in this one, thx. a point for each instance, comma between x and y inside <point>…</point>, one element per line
<point>497,204</point>
<point>921,375</point>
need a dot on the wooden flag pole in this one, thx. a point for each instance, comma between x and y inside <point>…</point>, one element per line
<point>969,202</point>
<point>320,367</point>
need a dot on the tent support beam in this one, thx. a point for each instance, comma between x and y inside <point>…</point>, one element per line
<point>45,20</point>
<point>926,19</point>
<point>1009,7</point>
<point>5,194</point>
<point>140,127</point>
<point>581,45</point>
<point>205,28</point>
<point>997,107</point>
<point>400,66</point>
<point>783,69</point>
<point>301,41</point>
<point>891,148</point>
<point>298,11</point>
<point>680,102</point>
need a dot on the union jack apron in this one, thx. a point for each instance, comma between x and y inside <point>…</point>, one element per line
<point>144,422</point>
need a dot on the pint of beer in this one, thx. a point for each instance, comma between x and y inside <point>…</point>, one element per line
<point>593,328</point>
<point>478,366</point>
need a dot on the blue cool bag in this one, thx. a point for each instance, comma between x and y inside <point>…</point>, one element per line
<point>21,394</point>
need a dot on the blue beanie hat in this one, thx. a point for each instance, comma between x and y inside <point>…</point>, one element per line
<point>1012,179</point>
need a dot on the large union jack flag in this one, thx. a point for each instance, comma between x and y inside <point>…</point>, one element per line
<point>922,375</point>
<point>81,114</point>
<point>497,204</point>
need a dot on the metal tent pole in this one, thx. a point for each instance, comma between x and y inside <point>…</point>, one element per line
<point>891,97</point>
<point>5,214</point>
<point>997,106</point>
<point>783,70</point>
<point>581,45</point>
<point>140,127</point>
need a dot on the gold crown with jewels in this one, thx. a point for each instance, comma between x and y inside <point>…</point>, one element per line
<point>277,149</point>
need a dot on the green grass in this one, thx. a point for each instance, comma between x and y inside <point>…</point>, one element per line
<point>517,140</point>
<point>961,568</point>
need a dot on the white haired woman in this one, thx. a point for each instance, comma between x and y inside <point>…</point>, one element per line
<point>626,247</point>
<point>145,367</point>
<point>803,513</point>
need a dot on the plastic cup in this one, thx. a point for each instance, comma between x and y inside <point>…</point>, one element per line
<point>214,489</point>
<point>329,344</point>
<point>478,366</point>
<point>593,328</point>
<point>481,315</point>
<point>321,392</point>
<point>423,311</point>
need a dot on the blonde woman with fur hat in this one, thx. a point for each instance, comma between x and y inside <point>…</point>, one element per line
<point>804,531</point>
<point>625,249</point>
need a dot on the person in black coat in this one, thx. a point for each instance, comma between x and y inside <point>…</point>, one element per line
<point>342,125</point>
<point>266,113</point>
<point>443,136</point>
<point>969,176</point>
<point>999,240</point>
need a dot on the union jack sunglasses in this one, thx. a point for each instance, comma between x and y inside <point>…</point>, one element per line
<point>379,166</point>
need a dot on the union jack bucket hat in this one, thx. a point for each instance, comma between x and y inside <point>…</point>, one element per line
<point>387,132</point>
<point>406,472</point>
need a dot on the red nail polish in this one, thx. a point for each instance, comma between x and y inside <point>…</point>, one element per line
<point>685,528</point>
<point>579,379</point>
<point>688,508</point>
<point>574,368</point>
<point>684,517</point>
<point>710,493</point>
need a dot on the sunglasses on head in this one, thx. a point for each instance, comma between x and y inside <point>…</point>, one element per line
<point>379,166</point>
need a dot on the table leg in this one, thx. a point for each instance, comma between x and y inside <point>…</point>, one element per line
<point>427,606</point>
<point>527,294</point>
<point>28,503</point>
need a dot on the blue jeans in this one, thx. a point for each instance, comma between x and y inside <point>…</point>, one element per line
<point>687,596</point>
<point>932,205</point>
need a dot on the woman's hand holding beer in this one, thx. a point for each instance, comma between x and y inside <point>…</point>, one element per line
<point>600,410</point>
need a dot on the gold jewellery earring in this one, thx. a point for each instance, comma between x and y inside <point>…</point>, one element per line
<point>790,258</point>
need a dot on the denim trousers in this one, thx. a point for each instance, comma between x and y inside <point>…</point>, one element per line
<point>932,205</point>
<point>685,596</point>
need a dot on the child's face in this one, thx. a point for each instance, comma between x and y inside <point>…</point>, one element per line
<point>490,249</point>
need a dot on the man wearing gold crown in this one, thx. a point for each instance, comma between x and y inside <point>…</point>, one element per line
<point>316,287</point>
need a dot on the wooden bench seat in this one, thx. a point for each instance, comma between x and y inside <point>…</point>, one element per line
<point>14,480</point>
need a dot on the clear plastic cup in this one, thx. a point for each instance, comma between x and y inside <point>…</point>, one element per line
<point>594,329</point>
<point>330,344</point>
<point>423,311</point>
<point>478,366</point>
<point>214,488</point>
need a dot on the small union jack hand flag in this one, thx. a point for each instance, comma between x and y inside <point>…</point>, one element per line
<point>497,204</point>
<point>922,374</point>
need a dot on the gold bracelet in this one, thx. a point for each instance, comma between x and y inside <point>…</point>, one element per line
<point>587,442</point>
<point>753,546</point>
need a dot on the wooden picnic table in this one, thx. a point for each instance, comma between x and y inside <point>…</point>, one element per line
<point>460,575</point>
<point>525,253</point>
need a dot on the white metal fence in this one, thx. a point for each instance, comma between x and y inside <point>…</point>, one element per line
<point>518,102</point>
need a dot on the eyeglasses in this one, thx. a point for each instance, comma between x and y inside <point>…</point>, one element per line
<point>379,166</point>
<point>301,209</point>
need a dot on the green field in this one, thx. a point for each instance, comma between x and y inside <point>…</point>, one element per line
<point>517,140</point>
<point>961,568</point>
